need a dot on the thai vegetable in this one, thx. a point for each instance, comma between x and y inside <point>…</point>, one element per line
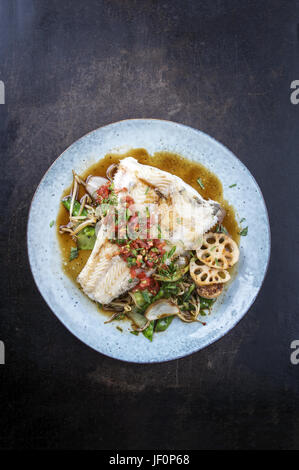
<point>149,277</point>
<point>163,323</point>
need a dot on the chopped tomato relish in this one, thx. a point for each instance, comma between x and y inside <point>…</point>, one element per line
<point>141,255</point>
<point>128,200</point>
<point>103,192</point>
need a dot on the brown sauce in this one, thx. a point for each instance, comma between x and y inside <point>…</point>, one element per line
<point>186,169</point>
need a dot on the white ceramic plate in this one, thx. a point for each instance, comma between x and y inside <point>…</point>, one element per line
<point>77,312</point>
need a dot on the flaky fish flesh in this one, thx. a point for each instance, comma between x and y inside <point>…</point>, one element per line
<point>106,275</point>
<point>182,216</point>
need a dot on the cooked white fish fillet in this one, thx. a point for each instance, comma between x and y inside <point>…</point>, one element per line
<point>182,214</point>
<point>106,275</point>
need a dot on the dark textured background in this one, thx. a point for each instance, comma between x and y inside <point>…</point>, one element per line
<point>224,67</point>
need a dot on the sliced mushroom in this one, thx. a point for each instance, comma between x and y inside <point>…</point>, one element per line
<point>111,170</point>
<point>93,183</point>
<point>160,309</point>
<point>188,316</point>
<point>210,292</point>
<point>204,275</point>
<point>113,316</point>
<point>218,251</point>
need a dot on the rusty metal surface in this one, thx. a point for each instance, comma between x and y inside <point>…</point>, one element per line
<point>224,67</point>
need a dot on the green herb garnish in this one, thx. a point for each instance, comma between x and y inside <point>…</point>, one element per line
<point>73,253</point>
<point>244,232</point>
<point>221,229</point>
<point>131,261</point>
<point>51,223</point>
<point>171,252</point>
<point>233,185</point>
<point>200,183</point>
<point>164,258</point>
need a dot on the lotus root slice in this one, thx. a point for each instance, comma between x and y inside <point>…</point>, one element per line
<point>204,275</point>
<point>218,251</point>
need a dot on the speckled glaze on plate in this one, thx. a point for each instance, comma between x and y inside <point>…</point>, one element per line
<point>77,312</point>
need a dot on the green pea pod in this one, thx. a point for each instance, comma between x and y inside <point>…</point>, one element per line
<point>163,323</point>
<point>188,293</point>
<point>158,296</point>
<point>139,299</point>
<point>86,238</point>
<point>149,331</point>
<point>76,209</point>
<point>206,303</point>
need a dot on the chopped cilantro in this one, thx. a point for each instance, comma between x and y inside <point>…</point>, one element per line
<point>221,229</point>
<point>244,232</point>
<point>131,261</point>
<point>73,253</point>
<point>200,183</point>
<point>171,252</point>
<point>164,258</point>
